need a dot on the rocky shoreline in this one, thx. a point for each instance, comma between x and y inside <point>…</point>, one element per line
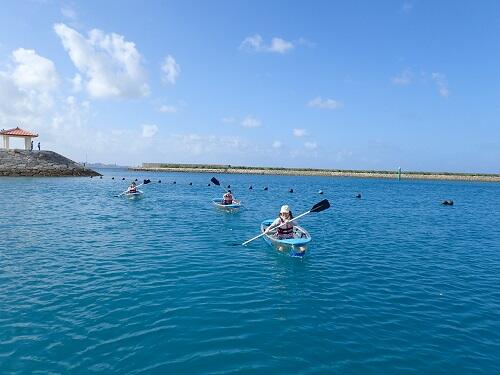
<point>14,163</point>
<point>327,173</point>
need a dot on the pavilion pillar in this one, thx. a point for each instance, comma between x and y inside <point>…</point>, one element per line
<point>6,142</point>
<point>27,143</point>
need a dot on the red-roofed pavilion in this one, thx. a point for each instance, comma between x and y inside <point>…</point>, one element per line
<point>17,132</point>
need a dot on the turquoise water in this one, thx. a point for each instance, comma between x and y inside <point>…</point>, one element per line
<point>393,282</point>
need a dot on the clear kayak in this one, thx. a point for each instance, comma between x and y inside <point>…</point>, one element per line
<point>236,205</point>
<point>137,195</point>
<point>295,247</point>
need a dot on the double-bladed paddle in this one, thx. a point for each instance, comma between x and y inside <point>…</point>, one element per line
<point>145,182</point>
<point>318,207</point>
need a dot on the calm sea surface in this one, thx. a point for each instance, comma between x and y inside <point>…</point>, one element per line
<point>393,282</point>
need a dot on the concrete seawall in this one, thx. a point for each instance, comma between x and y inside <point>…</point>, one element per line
<point>39,163</point>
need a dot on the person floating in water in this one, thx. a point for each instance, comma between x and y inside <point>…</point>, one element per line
<point>228,198</point>
<point>132,188</point>
<point>283,223</point>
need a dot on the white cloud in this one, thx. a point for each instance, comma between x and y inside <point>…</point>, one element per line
<point>171,70</point>
<point>255,43</point>
<point>279,45</point>
<point>165,108</point>
<point>110,65</point>
<point>76,83</point>
<point>403,78</point>
<point>442,84</point>
<point>69,12</point>
<point>33,71</point>
<point>311,145</point>
<point>251,122</point>
<point>148,131</point>
<point>321,103</point>
<point>26,90</point>
<point>228,120</point>
<point>299,132</point>
<point>277,144</point>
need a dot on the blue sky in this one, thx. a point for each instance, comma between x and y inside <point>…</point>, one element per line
<point>326,84</point>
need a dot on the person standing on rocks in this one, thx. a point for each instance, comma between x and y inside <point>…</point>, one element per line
<point>38,146</point>
<point>31,146</point>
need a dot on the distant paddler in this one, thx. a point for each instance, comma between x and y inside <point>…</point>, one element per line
<point>132,188</point>
<point>228,198</point>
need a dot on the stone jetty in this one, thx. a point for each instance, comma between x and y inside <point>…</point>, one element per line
<point>40,163</point>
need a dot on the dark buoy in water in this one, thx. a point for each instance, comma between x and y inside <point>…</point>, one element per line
<point>112,178</point>
<point>229,186</point>
<point>159,181</point>
<point>320,192</point>
<point>136,180</point>
<point>208,184</point>
<point>265,189</point>
<point>91,176</point>
<point>358,195</point>
<point>290,191</point>
<point>100,177</point>
<point>190,184</point>
<point>174,183</point>
<point>123,179</point>
<point>250,188</point>
<point>447,202</point>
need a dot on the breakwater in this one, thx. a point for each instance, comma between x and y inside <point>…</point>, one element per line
<point>190,168</point>
<point>40,163</point>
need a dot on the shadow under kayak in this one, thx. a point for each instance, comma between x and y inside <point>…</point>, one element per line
<point>295,247</point>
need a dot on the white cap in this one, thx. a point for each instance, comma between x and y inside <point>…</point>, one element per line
<point>285,209</point>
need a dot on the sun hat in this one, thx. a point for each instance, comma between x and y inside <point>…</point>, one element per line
<point>285,209</point>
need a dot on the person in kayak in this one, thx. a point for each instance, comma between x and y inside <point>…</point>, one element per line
<point>132,188</point>
<point>227,198</point>
<point>283,223</point>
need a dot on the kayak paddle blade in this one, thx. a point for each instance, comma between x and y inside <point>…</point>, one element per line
<point>321,206</point>
<point>215,181</point>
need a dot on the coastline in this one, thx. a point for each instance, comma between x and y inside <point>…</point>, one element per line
<point>191,168</point>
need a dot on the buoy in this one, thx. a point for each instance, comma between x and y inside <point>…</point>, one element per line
<point>320,192</point>
<point>358,195</point>
<point>229,186</point>
<point>112,178</point>
<point>448,202</point>
<point>174,182</point>
<point>290,191</point>
<point>159,181</point>
<point>136,180</point>
<point>265,189</point>
<point>123,179</point>
<point>100,177</point>
<point>190,184</point>
<point>90,176</point>
<point>250,188</point>
<point>208,184</point>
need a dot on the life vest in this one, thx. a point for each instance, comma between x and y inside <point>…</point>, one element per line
<point>228,198</point>
<point>132,190</point>
<point>285,230</point>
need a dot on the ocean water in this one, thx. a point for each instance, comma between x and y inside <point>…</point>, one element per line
<point>392,283</point>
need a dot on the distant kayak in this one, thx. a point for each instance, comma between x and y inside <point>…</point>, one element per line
<point>229,207</point>
<point>137,195</point>
<point>295,247</point>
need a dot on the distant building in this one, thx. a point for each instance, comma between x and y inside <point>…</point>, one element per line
<point>20,133</point>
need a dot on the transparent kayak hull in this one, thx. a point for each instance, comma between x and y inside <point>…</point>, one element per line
<point>295,247</point>
<point>227,207</point>
<point>132,196</point>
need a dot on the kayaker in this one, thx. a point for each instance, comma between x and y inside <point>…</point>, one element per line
<point>132,188</point>
<point>227,198</point>
<point>285,226</point>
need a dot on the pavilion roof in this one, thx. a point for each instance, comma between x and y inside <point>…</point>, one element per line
<point>18,132</point>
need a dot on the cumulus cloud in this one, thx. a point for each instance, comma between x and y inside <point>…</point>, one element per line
<point>442,84</point>
<point>321,103</point>
<point>311,145</point>
<point>76,83</point>
<point>26,89</point>
<point>170,69</point>
<point>149,131</point>
<point>251,122</point>
<point>110,65</point>
<point>403,78</point>
<point>33,71</point>
<point>255,43</point>
<point>299,132</point>
<point>277,144</point>
<point>165,108</point>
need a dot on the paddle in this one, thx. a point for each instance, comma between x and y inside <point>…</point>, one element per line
<point>216,182</point>
<point>145,182</point>
<point>318,207</point>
